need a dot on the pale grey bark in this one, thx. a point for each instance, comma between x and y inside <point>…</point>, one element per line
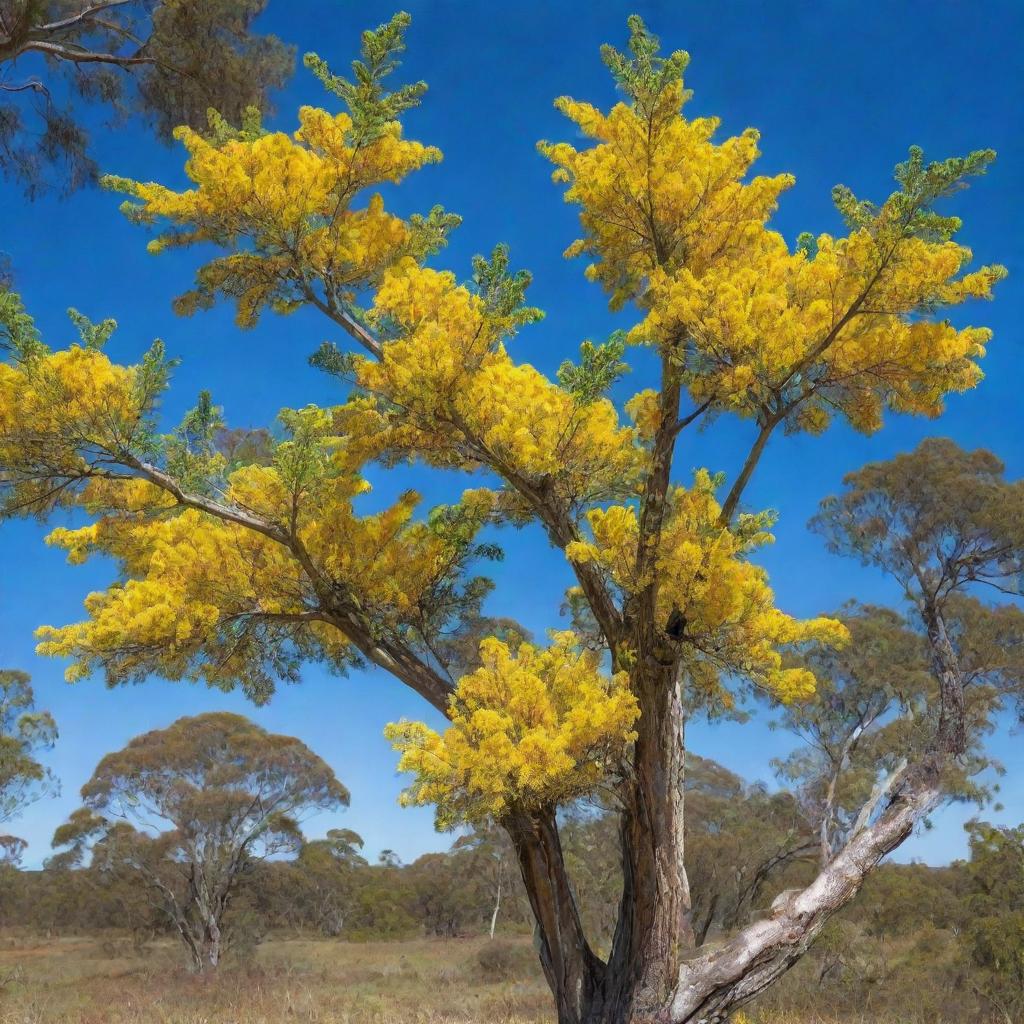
<point>713,986</point>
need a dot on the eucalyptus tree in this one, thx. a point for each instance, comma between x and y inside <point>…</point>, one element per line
<point>24,734</point>
<point>186,811</point>
<point>165,60</point>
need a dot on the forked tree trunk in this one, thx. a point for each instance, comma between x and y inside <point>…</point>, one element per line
<point>653,931</point>
<point>708,988</point>
<point>651,976</point>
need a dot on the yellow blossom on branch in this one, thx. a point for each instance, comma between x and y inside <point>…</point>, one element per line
<point>728,623</point>
<point>533,728</point>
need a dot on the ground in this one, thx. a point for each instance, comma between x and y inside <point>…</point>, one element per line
<point>106,981</point>
<point>91,980</point>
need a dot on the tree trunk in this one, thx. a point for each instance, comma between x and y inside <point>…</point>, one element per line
<point>708,988</point>
<point>574,973</point>
<point>648,977</point>
<point>654,928</point>
<point>497,907</point>
<point>711,987</point>
<point>212,945</point>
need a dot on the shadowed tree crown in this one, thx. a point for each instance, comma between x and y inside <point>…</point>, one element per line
<point>168,61</point>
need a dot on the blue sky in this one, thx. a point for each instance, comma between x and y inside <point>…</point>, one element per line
<point>839,91</point>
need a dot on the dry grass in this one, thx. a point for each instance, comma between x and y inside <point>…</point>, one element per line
<point>289,981</point>
<point>86,981</point>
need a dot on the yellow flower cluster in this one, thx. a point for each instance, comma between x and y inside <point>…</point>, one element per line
<point>770,323</point>
<point>193,582</point>
<point>76,391</point>
<point>283,206</point>
<point>192,576</point>
<point>54,406</point>
<point>534,728</point>
<point>730,623</point>
<point>839,324</point>
<point>212,599</point>
<point>657,192</point>
<point>460,399</point>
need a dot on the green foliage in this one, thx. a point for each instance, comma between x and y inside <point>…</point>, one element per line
<point>18,334</point>
<point>370,105</point>
<point>939,519</point>
<point>599,368</point>
<point>645,75</point>
<point>994,927</point>
<point>504,292</point>
<point>191,451</point>
<point>24,733</point>
<point>167,62</point>
<point>220,131</point>
<point>333,361</point>
<point>92,335</point>
<point>910,211</point>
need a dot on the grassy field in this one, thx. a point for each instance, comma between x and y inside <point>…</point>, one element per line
<point>90,981</point>
<point>289,981</point>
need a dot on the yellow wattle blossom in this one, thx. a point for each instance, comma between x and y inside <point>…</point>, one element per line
<point>730,623</point>
<point>195,578</point>
<point>58,408</point>
<point>204,597</point>
<point>460,399</point>
<point>283,205</point>
<point>193,587</point>
<point>758,328</point>
<point>533,728</point>
<point>642,409</point>
<point>656,192</point>
<point>838,324</point>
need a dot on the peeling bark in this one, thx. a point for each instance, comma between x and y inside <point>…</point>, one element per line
<point>713,986</point>
<point>654,927</point>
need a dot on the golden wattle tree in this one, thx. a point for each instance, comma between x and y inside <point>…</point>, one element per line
<point>241,561</point>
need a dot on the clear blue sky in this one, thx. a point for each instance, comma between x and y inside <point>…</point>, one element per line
<point>839,91</point>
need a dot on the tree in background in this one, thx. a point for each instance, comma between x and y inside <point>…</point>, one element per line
<point>994,927</point>
<point>188,809</point>
<point>167,60</point>
<point>24,733</point>
<point>740,839</point>
<point>236,574</point>
<point>326,866</point>
<point>489,856</point>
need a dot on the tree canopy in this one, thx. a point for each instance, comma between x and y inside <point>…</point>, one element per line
<point>24,733</point>
<point>236,571</point>
<point>189,809</point>
<point>168,61</point>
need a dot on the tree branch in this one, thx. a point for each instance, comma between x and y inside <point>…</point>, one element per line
<point>83,56</point>
<point>749,465</point>
<point>83,15</point>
